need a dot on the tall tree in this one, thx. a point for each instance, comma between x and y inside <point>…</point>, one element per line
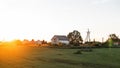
<point>75,38</point>
<point>113,37</point>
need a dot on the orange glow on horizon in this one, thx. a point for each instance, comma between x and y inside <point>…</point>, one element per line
<point>10,52</point>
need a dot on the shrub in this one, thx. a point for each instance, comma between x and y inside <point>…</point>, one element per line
<point>87,49</point>
<point>78,52</point>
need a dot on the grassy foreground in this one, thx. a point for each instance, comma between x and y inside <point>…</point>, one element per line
<point>42,57</point>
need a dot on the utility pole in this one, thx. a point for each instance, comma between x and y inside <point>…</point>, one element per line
<point>102,39</point>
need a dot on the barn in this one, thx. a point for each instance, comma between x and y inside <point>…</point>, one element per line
<point>57,39</point>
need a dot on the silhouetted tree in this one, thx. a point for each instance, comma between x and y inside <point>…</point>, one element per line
<point>112,40</point>
<point>44,42</point>
<point>114,37</point>
<point>75,38</point>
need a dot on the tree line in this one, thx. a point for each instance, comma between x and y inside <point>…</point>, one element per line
<point>76,39</point>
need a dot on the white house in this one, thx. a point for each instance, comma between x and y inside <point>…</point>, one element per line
<point>57,39</point>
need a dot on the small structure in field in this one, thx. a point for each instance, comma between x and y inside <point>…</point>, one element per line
<point>38,42</point>
<point>59,39</point>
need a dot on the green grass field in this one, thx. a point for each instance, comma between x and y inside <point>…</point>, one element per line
<point>42,57</point>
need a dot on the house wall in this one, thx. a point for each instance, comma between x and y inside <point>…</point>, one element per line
<point>60,41</point>
<point>54,41</point>
<point>64,42</point>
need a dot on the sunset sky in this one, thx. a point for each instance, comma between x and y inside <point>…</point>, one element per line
<point>41,19</point>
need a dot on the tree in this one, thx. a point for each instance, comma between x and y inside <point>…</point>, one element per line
<point>114,37</point>
<point>112,40</point>
<point>75,38</point>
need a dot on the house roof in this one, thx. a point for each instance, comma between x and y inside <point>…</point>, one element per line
<point>61,37</point>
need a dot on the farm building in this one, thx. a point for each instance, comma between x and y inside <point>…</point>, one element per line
<point>57,39</point>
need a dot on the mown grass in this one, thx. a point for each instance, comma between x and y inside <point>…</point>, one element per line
<point>43,57</point>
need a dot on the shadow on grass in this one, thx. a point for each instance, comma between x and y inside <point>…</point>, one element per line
<point>82,64</point>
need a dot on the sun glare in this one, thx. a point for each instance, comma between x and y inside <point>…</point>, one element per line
<point>11,51</point>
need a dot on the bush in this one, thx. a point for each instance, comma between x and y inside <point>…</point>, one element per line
<point>87,49</point>
<point>78,52</point>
